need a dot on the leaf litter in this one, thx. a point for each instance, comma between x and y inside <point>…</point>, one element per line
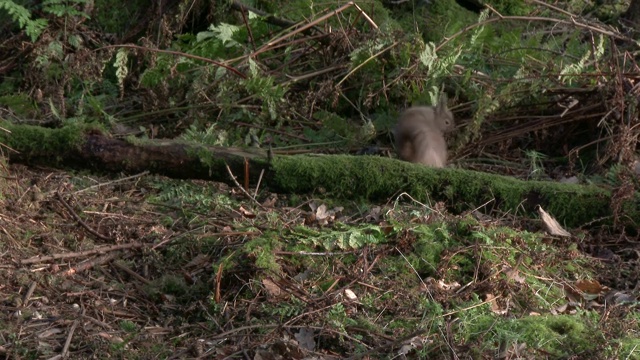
<point>148,267</point>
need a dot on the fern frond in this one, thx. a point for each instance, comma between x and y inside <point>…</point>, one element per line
<point>477,31</point>
<point>579,67</point>
<point>438,66</point>
<point>17,12</point>
<point>121,68</point>
<point>35,28</point>
<point>22,16</point>
<point>224,32</point>
<point>63,8</point>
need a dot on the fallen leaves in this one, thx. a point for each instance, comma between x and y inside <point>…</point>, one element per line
<point>551,224</point>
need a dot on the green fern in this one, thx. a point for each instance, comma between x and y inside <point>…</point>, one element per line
<point>536,167</point>
<point>438,66</point>
<point>579,67</point>
<point>478,31</point>
<point>212,135</point>
<point>343,238</point>
<point>64,8</point>
<point>20,14</point>
<point>263,87</point>
<point>224,32</point>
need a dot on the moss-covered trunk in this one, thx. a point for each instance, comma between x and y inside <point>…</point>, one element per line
<point>340,176</point>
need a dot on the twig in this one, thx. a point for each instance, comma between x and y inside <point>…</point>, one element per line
<point>534,18</point>
<point>242,328</point>
<point>366,17</point>
<point>218,281</point>
<point>77,218</point>
<point>132,273</point>
<point>246,174</point>
<point>314,73</point>
<point>471,307</point>
<point>555,8</point>
<point>271,19</point>
<point>242,189</point>
<point>65,348</point>
<point>30,291</point>
<point>307,253</point>
<point>255,193</point>
<point>112,182</point>
<point>335,12</point>
<point>100,250</point>
<point>248,27</point>
<point>284,133</point>
<point>86,265</point>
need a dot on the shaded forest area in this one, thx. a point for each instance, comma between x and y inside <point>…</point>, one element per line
<point>310,240</point>
<point>560,105</point>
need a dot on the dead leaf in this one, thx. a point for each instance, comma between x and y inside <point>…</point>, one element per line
<point>495,307</point>
<point>111,338</point>
<point>350,295</point>
<point>374,214</point>
<point>448,287</point>
<point>385,227</point>
<point>50,332</point>
<point>619,297</point>
<point>415,343</point>
<point>286,349</point>
<point>513,274</point>
<point>246,213</point>
<point>568,308</point>
<point>589,286</point>
<point>305,338</point>
<point>270,201</point>
<point>321,214</point>
<point>552,226</point>
<point>199,260</point>
<point>273,290</point>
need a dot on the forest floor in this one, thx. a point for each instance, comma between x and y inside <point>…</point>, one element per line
<point>144,267</point>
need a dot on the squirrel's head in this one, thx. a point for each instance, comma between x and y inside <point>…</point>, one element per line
<point>443,115</point>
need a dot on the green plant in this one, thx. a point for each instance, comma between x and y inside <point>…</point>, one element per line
<point>536,167</point>
<point>342,237</point>
<point>285,310</point>
<point>21,15</point>
<point>128,326</point>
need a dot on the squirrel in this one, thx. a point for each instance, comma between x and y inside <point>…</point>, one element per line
<point>420,134</point>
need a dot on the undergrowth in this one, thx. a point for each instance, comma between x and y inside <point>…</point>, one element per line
<point>246,80</point>
<point>537,90</point>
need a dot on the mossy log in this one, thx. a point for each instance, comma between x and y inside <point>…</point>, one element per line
<point>341,176</point>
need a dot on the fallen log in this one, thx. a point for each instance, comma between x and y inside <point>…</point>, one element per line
<point>341,176</point>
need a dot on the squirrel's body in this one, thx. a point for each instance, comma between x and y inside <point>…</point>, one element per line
<point>420,134</point>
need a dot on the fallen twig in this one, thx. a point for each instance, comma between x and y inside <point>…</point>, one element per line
<point>77,218</point>
<point>86,265</point>
<point>103,249</point>
<point>245,192</point>
<point>112,182</point>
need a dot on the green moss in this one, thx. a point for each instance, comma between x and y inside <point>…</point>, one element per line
<point>427,248</point>
<point>629,348</point>
<point>345,176</point>
<point>21,104</point>
<point>559,335</point>
<point>36,140</point>
<point>261,250</point>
